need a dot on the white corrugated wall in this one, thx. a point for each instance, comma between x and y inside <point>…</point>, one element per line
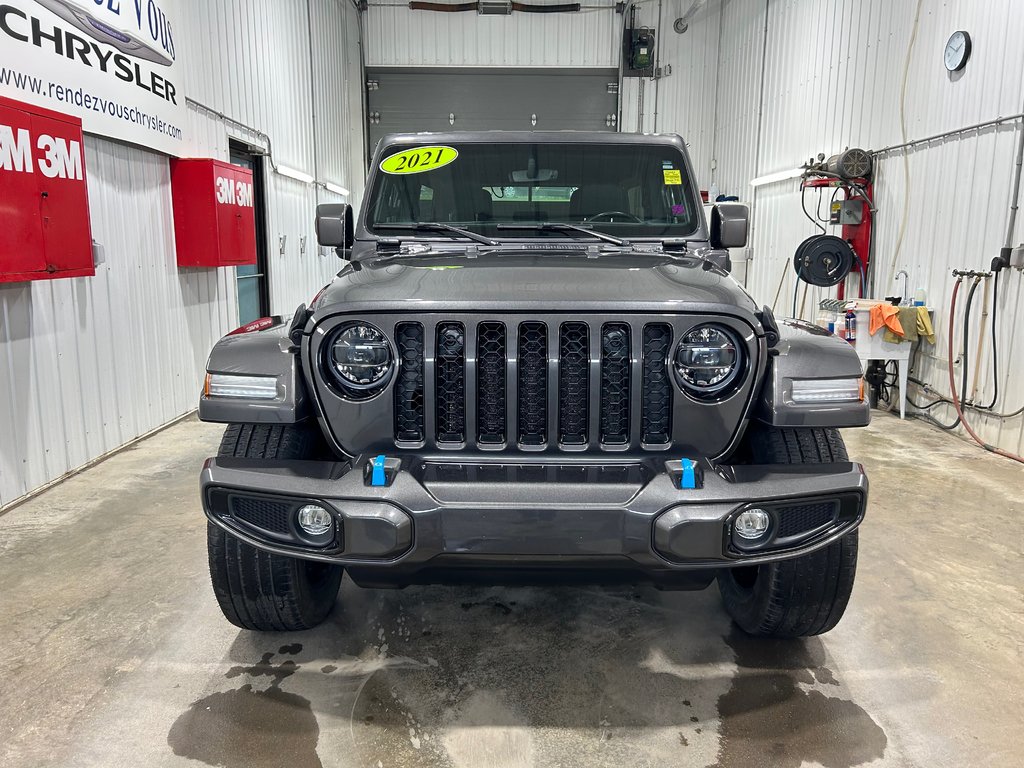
<point>88,364</point>
<point>682,101</point>
<point>397,36</point>
<point>831,79</point>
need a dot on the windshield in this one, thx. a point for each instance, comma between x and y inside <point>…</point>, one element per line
<point>512,190</point>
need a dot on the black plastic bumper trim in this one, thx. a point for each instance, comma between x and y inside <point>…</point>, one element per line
<point>558,520</point>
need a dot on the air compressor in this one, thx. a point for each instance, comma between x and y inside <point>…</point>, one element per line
<point>827,260</point>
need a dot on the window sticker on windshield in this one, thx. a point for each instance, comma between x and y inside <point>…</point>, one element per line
<point>419,160</point>
<point>673,177</point>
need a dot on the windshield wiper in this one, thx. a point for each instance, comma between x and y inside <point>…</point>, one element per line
<point>435,226</point>
<point>558,226</point>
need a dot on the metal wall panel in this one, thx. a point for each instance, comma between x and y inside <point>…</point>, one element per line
<point>89,364</point>
<point>398,36</point>
<point>411,100</point>
<point>832,75</point>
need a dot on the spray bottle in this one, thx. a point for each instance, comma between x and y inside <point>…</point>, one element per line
<point>851,326</point>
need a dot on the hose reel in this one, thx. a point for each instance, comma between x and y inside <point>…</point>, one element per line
<point>824,260</point>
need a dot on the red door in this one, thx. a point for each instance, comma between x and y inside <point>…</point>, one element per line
<point>236,215</point>
<point>21,235</point>
<point>44,201</point>
<point>63,197</point>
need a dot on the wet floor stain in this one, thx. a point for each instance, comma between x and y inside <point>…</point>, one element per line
<point>768,719</point>
<point>266,668</point>
<point>242,727</point>
<point>512,678</point>
<point>495,605</point>
<point>507,678</point>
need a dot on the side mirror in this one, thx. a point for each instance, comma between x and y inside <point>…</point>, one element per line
<point>334,226</point>
<point>729,225</point>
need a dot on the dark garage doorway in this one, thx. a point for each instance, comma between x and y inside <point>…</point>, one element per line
<point>411,100</point>
<point>251,279</point>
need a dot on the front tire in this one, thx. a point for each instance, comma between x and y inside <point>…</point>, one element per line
<point>805,595</point>
<point>259,590</point>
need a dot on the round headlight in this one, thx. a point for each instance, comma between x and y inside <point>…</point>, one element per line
<point>708,360</point>
<point>360,357</point>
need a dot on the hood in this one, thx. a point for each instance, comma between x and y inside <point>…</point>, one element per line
<point>535,280</point>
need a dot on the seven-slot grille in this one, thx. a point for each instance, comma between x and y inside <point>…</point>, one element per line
<point>528,384</point>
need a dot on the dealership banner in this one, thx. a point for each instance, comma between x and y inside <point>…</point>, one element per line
<point>113,63</point>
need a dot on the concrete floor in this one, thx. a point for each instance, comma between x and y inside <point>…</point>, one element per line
<point>115,653</point>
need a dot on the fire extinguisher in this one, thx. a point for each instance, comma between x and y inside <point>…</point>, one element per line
<point>851,326</point>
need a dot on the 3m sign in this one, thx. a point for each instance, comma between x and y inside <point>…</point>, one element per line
<point>232,191</point>
<point>214,213</point>
<point>44,201</point>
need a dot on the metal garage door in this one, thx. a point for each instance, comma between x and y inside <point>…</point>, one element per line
<point>481,100</point>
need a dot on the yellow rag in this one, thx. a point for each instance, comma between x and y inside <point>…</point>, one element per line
<point>924,325</point>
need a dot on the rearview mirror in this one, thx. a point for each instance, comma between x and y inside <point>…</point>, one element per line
<point>540,174</point>
<point>729,225</point>
<point>334,227</point>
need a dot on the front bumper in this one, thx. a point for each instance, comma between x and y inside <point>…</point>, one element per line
<point>437,516</point>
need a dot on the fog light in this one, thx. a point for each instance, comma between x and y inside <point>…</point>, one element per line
<point>314,520</point>
<point>752,524</point>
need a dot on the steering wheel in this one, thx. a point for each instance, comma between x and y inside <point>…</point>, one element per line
<point>611,214</point>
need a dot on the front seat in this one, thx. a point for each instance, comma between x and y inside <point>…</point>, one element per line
<point>600,198</point>
<point>476,205</point>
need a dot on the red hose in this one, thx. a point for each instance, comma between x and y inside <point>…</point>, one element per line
<point>952,384</point>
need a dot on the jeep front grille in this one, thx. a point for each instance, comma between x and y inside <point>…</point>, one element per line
<point>573,383</point>
<point>656,412</point>
<point>533,384</point>
<point>409,386</point>
<point>570,384</point>
<point>490,391</point>
<point>616,370</point>
<point>451,382</point>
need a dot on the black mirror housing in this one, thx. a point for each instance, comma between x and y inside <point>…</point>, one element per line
<point>729,225</point>
<point>334,225</point>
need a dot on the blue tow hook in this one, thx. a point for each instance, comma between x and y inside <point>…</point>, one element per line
<point>378,477</point>
<point>688,479</point>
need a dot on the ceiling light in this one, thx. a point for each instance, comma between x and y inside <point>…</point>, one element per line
<point>336,189</point>
<point>291,173</point>
<point>771,178</point>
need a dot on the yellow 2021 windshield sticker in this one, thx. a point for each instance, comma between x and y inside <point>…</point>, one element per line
<point>419,160</point>
<point>673,177</point>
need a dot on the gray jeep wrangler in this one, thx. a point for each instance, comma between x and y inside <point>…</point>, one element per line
<point>534,367</point>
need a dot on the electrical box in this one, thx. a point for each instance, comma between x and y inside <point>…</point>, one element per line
<point>638,52</point>
<point>44,201</point>
<point>214,213</point>
<point>847,212</point>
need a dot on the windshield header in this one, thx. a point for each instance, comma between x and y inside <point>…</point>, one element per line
<point>519,190</point>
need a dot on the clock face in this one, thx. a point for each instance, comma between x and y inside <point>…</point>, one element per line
<point>958,50</point>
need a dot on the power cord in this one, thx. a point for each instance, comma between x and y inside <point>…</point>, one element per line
<point>803,205</point>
